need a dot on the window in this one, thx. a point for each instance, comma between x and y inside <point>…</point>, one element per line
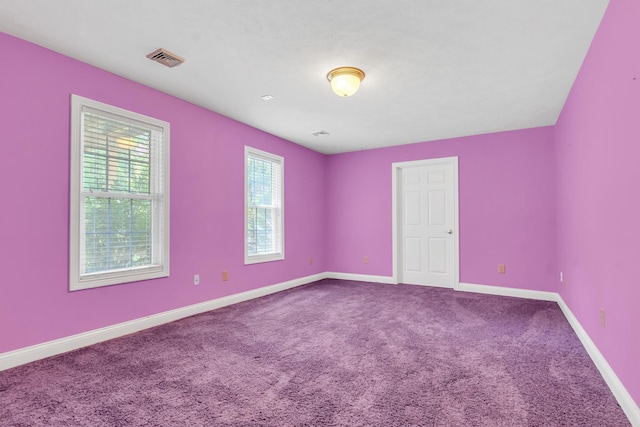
<point>264,216</point>
<point>119,218</point>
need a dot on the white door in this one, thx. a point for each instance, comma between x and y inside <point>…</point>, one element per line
<point>427,222</point>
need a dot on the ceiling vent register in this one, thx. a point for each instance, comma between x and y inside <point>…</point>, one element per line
<point>165,57</point>
<point>320,133</point>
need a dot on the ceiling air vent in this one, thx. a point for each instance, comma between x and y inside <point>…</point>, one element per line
<point>165,58</point>
<point>320,133</point>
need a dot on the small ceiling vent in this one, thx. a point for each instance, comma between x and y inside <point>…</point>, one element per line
<point>320,133</point>
<point>165,57</point>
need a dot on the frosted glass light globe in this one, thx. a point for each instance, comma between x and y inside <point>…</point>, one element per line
<point>345,81</point>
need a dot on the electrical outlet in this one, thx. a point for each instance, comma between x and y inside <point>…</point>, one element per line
<point>196,279</point>
<point>365,260</point>
<point>311,261</point>
<point>225,276</point>
<point>602,317</point>
<point>561,277</point>
<point>501,268</point>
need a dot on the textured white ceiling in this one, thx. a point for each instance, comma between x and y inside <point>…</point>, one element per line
<point>434,69</point>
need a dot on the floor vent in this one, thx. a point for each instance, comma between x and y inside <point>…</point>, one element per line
<point>165,57</point>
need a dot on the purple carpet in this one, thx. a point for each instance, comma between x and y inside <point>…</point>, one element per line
<point>329,353</point>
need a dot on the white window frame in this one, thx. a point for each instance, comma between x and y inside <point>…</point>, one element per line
<point>279,224</point>
<point>159,196</point>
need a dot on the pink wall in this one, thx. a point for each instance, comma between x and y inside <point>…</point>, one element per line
<point>507,207</point>
<point>338,208</point>
<point>207,152</point>
<point>598,158</point>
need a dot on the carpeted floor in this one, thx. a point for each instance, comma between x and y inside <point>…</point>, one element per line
<point>329,353</point>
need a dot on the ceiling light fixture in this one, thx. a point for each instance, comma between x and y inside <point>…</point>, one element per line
<point>345,81</point>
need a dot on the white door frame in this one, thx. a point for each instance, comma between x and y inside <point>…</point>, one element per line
<point>396,169</point>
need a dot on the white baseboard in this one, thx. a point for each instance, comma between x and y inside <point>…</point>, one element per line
<point>508,292</point>
<point>360,277</point>
<point>621,394</point>
<point>63,345</point>
<point>74,342</point>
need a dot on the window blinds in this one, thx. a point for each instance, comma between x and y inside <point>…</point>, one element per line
<point>121,196</point>
<point>264,205</point>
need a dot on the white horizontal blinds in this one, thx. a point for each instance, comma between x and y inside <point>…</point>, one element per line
<point>121,192</point>
<point>264,205</point>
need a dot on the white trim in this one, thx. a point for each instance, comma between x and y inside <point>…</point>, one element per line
<point>621,394</point>
<point>280,224</point>
<point>74,342</point>
<point>159,194</point>
<point>396,169</point>
<point>361,277</point>
<point>63,345</point>
<point>508,292</point>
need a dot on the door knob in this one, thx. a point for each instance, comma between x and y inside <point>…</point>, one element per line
<point>449,231</point>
